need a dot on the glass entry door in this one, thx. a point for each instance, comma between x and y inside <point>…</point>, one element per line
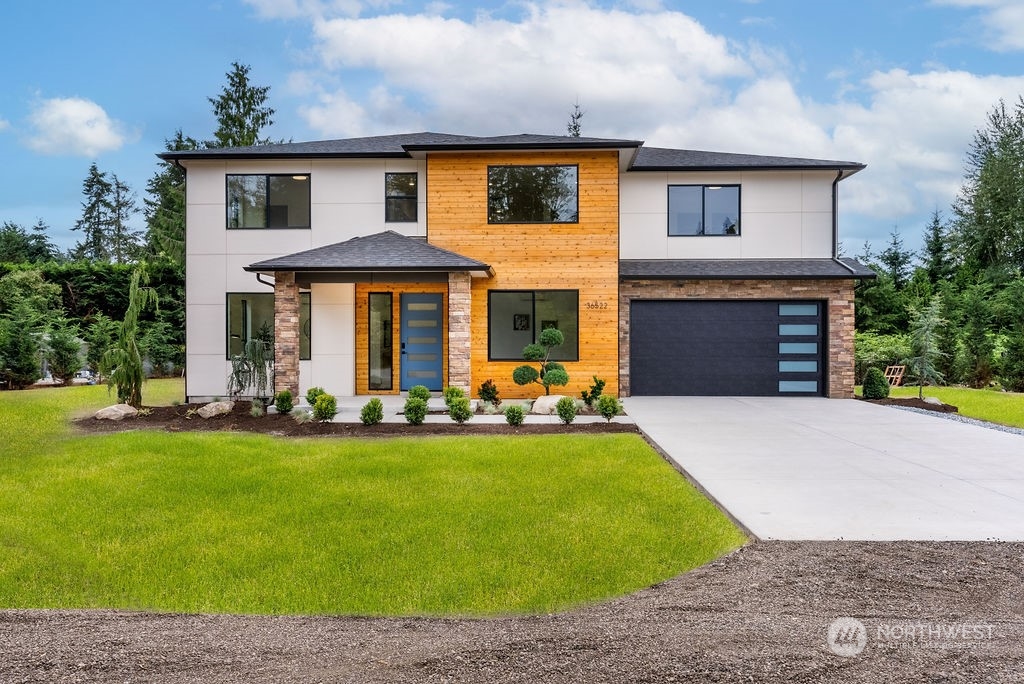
<point>421,340</point>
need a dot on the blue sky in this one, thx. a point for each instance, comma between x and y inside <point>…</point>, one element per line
<point>900,86</point>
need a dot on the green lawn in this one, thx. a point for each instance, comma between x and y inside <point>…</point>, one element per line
<point>1006,408</point>
<point>245,523</point>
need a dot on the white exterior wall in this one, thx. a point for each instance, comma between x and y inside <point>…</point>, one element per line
<point>347,200</point>
<point>783,215</point>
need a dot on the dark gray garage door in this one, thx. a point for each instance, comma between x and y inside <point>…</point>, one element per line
<point>726,348</point>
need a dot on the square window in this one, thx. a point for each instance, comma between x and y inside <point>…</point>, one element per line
<point>703,210</point>
<point>400,197</point>
<point>251,315</point>
<point>262,201</point>
<point>516,317</point>
<point>532,194</point>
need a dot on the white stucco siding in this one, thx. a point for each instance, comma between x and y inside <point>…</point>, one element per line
<point>783,215</point>
<point>332,340</point>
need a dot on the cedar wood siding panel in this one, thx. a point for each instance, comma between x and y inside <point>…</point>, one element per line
<point>581,256</point>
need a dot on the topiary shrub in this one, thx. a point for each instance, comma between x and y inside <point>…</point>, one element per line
<point>312,393</point>
<point>550,372</point>
<point>595,391</point>
<point>514,415</point>
<point>372,412</point>
<point>459,409</point>
<point>283,402</point>
<point>419,392</point>
<point>609,407</point>
<point>488,393</point>
<point>566,409</point>
<point>325,408</point>
<point>875,384</point>
<point>452,393</point>
<point>415,410</point>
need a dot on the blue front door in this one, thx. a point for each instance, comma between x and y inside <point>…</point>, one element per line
<point>421,339</point>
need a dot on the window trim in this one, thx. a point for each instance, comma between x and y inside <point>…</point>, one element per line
<point>415,197</point>
<point>491,221</point>
<point>227,322</point>
<point>267,177</point>
<point>703,203</point>
<point>533,317</point>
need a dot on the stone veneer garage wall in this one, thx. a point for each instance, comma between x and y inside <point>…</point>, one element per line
<point>838,294</point>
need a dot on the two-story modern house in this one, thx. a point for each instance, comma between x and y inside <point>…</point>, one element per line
<point>376,264</point>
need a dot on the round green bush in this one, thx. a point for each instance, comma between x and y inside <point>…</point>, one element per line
<point>514,415</point>
<point>419,392</point>
<point>312,393</point>
<point>415,410</point>
<point>608,406</point>
<point>372,412</point>
<point>459,409</point>
<point>556,376</point>
<point>450,394</point>
<point>551,337</point>
<point>283,402</point>
<point>875,384</point>
<point>325,408</point>
<point>524,375</point>
<point>566,409</point>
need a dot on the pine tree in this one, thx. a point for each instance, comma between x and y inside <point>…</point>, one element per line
<point>96,217</point>
<point>125,243</point>
<point>574,128</point>
<point>241,111</point>
<point>924,341</point>
<point>897,260</point>
<point>936,255</point>
<point>165,205</point>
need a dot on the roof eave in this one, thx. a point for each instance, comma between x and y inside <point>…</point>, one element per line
<point>852,168</point>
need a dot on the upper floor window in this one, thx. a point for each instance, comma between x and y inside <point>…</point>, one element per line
<point>532,194</point>
<point>268,201</point>
<point>400,197</point>
<point>703,210</point>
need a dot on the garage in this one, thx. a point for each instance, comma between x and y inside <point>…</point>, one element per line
<point>727,347</point>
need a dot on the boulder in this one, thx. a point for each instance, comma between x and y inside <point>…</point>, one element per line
<point>933,400</point>
<point>546,405</point>
<point>215,408</point>
<point>116,412</point>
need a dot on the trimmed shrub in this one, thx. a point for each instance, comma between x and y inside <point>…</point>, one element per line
<point>312,393</point>
<point>451,394</point>
<point>514,415</point>
<point>373,412</point>
<point>283,402</point>
<point>609,407</point>
<point>488,393</point>
<point>595,392</point>
<point>419,392</point>
<point>566,409</point>
<point>415,409</point>
<point>875,384</point>
<point>325,408</point>
<point>459,409</point>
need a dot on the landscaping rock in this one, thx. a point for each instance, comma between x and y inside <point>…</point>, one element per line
<point>216,408</point>
<point>933,400</point>
<point>116,412</point>
<point>546,405</point>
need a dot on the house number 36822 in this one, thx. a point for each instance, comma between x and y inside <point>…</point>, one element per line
<point>596,305</point>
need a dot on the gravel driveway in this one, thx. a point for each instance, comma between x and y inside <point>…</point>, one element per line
<point>931,612</point>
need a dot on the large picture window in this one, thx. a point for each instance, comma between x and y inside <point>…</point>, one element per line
<point>516,317</point>
<point>703,210</point>
<point>268,201</point>
<point>400,195</point>
<point>251,315</point>
<point>532,194</point>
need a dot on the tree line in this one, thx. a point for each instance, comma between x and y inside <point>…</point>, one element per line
<point>968,277</point>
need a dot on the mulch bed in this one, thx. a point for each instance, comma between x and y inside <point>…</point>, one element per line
<point>913,402</point>
<point>177,419</point>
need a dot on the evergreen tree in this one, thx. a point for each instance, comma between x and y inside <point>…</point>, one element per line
<point>574,128</point>
<point>99,337</point>
<point>122,362</point>
<point>19,346</point>
<point>897,260</point>
<point>935,256</point>
<point>165,205</point>
<point>96,218</point>
<point>63,350</point>
<point>125,245</point>
<point>241,111</point>
<point>977,341</point>
<point>18,245</point>
<point>924,342</point>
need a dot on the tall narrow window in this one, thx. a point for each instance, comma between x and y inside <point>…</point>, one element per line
<point>262,201</point>
<point>703,210</point>
<point>400,197</point>
<point>381,359</point>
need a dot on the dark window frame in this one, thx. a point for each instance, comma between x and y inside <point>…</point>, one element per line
<point>703,208</point>
<point>308,296</point>
<point>266,194</point>
<point>388,216</point>
<point>490,215</point>
<point>369,331</point>
<point>533,318</point>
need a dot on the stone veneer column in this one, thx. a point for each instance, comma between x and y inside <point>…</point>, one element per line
<point>286,333</point>
<point>459,352</point>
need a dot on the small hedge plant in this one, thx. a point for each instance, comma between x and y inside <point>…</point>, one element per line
<point>325,408</point>
<point>488,393</point>
<point>875,384</point>
<point>609,407</point>
<point>459,409</point>
<point>589,397</point>
<point>283,402</point>
<point>312,393</point>
<point>419,392</point>
<point>415,409</point>
<point>450,394</point>
<point>373,412</point>
<point>566,409</point>
<point>514,415</point>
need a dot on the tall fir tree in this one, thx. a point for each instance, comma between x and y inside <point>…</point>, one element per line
<point>935,255</point>
<point>165,205</point>
<point>574,128</point>
<point>241,111</point>
<point>96,217</point>
<point>897,260</point>
<point>125,242</point>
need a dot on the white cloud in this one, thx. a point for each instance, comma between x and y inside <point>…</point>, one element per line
<point>4,124</point>
<point>74,126</point>
<point>1003,21</point>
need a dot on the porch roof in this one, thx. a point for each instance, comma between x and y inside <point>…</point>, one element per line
<point>744,269</point>
<point>362,257</point>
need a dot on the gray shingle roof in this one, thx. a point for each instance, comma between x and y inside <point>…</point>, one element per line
<point>387,251</point>
<point>739,269</point>
<point>662,159</point>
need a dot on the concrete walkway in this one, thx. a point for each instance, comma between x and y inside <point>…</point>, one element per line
<point>805,468</point>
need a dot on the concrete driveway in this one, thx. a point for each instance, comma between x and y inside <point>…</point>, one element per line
<point>806,468</point>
